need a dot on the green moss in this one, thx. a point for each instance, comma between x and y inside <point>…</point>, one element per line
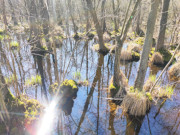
<point>139,40</point>
<point>14,44</point>
<point>29,109</point>
<point>96,47</point>
<point>113,89</point>
<point>135,56</point>
<point>166,92</point>
<point>78,35</point>
<point>148,94</point>
<point>33,109</point>
<point>132,90</point>
<point>112,86</point>
<point>132,35</point>
<point>91,34</point>
<point>70,83</point>
<point>34,80</point>
<point>53,88</point>
<point>166,55</point>
<point>9,80</point>
<point>152,78</point>
<point>152,52</point>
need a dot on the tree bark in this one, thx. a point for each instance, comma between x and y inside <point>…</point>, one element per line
<point>163,23</point>
<point>97,25</point>
<point>44,16</point>
<point>120,40</point>
<point>147,45</point>
<point>13,14</point>
<point>103,22</point>
<point>115,20</point>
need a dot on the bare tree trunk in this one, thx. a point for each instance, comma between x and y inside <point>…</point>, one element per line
<point>13,14</point>
<point>44,16</point>
<point>163,23</point>
<point>103,21</point>
<point>114,13</point>
<point>138,29</point>
<point>147,45</point>
<point>97,25</point>
<point>71,15</point>
<point>120,40</point>
<point>4,13</point>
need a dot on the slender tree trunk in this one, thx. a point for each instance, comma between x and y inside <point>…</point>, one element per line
<point>4,13</point>
<point>138,29</point>
<point>103,20</point>
<point>120,40</point>
<point>44,16</point>
<point>163,23</point>
<point>97,25</point>
<point>71,15</point>
<point>13,14</point>
<point>147,45</point>
<point>115,20</point>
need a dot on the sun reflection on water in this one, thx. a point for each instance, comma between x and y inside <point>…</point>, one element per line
<point>47,121</point>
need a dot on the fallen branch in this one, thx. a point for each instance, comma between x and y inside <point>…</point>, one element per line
<point>165,68</point>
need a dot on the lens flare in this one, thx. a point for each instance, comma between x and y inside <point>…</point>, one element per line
<point>46,123</point>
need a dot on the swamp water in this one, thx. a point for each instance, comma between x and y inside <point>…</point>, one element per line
<point>92,112</point>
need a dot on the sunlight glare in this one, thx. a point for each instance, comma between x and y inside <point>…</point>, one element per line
<point>46,123</point>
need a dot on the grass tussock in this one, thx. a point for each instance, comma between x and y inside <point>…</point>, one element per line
<point>149,83</point>
<point>136,104</point>
<point>174,72</point>
<point>134,47</point>
<point>106,37</point>
<point>157,59</point>
<point>126,55</point>
<point>109,48</point>
<point>165,92</point>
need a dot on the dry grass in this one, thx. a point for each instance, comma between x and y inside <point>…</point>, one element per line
<point>126,55</point>
<point>174,72</point>
<point>106,37</point>
<point>134,47</point>
<point>157,59</point>
<point>149,83</point>
<point>136,104</point>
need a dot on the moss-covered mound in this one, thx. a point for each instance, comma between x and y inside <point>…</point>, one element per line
<point>118,93</point>
<point>109,48</point>
<point>174,72</point>
<point>157,59</point>
<point>23,113</point>
<point>91,34</point>
<point>69,88</point>
<point>68,91</point>
<point>166,55</point>
<point>161,58</point>
<point>136,103</point>
<point>78,36</point>
<point>106,37</point>
<point>14,45</point>
<point>131,54</point>
<point>139,40</point>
